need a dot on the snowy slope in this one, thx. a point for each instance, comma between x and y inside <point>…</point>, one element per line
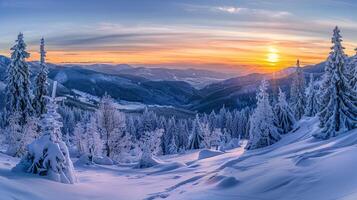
<point>297,167</point>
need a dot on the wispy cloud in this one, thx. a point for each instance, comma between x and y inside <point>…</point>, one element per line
<point>232,10</point>
<point>176,32</point>
<point>249,11</point>
<point>237,10</point>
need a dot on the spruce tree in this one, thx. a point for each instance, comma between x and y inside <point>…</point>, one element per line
<point>196,136</point>
<point>284,117</point>
<point>312,105</point>
<point>172,146</point>
<point>18,96</point>
<point>297,93</point>
<point>262,130</point>
<point>94,143</point>
<point>216,138</point>
<point>48,155</point>
<point>339,100</point>
<point>41,84</point>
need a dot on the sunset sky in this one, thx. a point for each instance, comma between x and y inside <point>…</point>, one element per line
<point>228,35</point>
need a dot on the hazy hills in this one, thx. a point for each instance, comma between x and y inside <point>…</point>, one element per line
<point>162,87</point>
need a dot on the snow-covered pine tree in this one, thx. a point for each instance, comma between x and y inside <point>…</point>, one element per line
<point>94,143</point>
<point>111,123</point>
<point>172,146</point>
<point>120,144</point>
<point>41,84</point>
<point>284,117</point>
<point>243,123</point>
<point>48,155</point>
<point>262,130</point>
<point>297,93</point>
<point>312,106</point>
<point>216,138</point>
<point>235,123</point>
<point>184,134</point>
<point>18,96</point>
<point>229,123</point>
<point>69,120</point>
<point>18,137</point>
<point>79,138</point>
<point>212,120</point>
<point>148,120</point>
<point>226,137</point>
<point>206,133</point>
<point>196,136</point>
<point>170,131</point>
<point>221,117</point>
<point>14,136</point>
<point>28,133</point>
<point>339,99</point>
<point>150,146</point>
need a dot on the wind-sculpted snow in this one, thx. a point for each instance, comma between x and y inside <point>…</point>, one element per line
<point>208,154</point>
<point>296,167</point>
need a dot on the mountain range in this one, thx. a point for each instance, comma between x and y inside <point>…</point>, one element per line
<point>159,86</point>
<point>198,78</point>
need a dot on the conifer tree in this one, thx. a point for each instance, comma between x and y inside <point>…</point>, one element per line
<point>339,100</point>
<point>312,105</point>
<point>18,96</point>
<point>196,136</point>
<point>262,130</point>
<point>297,93</point>
<point>111,124</point>
<point>80,138</point>
<point>48,155</point>
<point>172,146</point>
<point>150,147</point>
<point>284,117</point>
<point>93,142</point>
<point>216,138</point>
<point>19,139</point>
<point>41,84</point>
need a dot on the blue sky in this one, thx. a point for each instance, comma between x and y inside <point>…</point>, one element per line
<point>239,35</point>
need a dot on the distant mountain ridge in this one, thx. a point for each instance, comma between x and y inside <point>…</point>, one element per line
<point>236,92</point>
<point>121,87</point>
<point>196,77</point>
<point>240,92</point>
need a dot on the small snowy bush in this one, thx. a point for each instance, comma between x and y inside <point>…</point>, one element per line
<point>103,160</point>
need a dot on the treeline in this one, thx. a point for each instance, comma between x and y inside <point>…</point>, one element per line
<point>125,131</point>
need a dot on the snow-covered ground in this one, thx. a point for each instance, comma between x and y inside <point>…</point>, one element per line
<point>296,167</point>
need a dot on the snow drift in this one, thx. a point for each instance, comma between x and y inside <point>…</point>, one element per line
<point>296,167</point>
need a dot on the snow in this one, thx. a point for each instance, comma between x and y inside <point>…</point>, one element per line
<point>296,167</point>
<point>104,160</point>
<point>119,104</point>
<point>206,153</point>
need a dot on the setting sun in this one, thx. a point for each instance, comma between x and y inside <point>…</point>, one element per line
<point>273,56</point>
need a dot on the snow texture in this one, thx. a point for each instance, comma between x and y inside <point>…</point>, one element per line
<point>296,167</point>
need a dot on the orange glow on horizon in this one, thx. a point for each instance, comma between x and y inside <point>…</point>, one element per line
<point>250,56</point>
